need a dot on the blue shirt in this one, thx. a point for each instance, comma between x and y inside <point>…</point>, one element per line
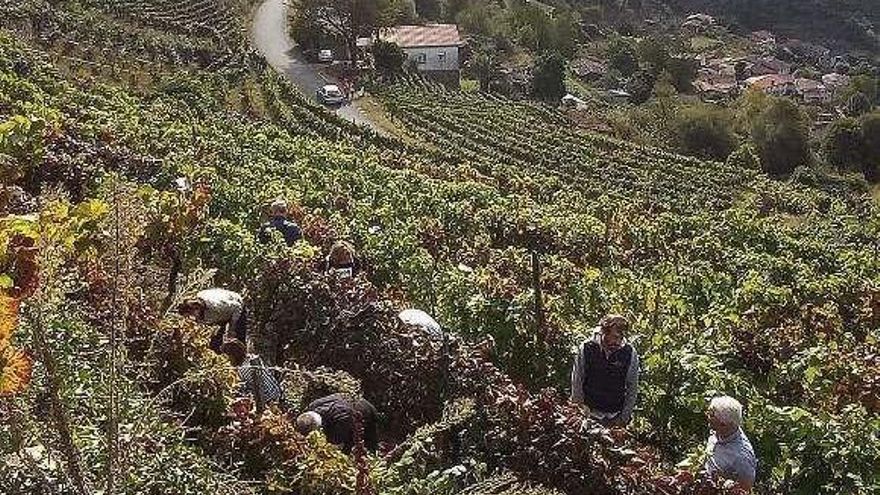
<point>289,230</point>
<point>732,457</point>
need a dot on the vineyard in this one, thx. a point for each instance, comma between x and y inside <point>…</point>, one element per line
<point>765,289</point>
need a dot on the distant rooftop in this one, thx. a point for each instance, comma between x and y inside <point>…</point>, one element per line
<point>427,35</point>
<point>768,81</point>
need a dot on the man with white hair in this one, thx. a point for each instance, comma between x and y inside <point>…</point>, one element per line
<point>279,222</point>
<point>605,374</point>
<point>731,455</point>
<point>336,415</point>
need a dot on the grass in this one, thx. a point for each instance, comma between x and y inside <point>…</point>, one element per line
<point>373,109</point>
<point>703,43</point>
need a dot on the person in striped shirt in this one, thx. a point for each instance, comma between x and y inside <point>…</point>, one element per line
<point>257,380</point>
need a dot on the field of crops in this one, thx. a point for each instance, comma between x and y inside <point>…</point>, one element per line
<point>736,283</point>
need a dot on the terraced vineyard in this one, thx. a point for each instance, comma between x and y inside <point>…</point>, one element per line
<point>221,19</point>
<point>512,139</point>
<point>736,283</point>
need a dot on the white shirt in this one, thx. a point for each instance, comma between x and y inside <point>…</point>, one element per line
<point>419,318</point>
<point>221,307</point>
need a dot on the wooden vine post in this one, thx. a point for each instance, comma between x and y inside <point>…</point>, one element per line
<point>538,296</point>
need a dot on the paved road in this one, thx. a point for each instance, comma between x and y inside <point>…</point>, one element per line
<point>269,33</point>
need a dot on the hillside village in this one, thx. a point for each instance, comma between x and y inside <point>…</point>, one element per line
<point>725,65</point>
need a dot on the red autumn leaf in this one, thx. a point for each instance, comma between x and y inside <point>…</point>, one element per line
<point>15,369</point>
<point>8,317</point>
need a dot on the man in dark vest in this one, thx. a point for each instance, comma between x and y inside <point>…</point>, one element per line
<point>605,374</point>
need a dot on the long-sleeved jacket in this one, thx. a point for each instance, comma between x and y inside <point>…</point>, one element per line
<point>338,420</point>
<point>578,375</point>
<point>288,229</point>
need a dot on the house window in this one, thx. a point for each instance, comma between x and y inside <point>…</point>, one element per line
<point>441,57</point>
<point>421,58</point>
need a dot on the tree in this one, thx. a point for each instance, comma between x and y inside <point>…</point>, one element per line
<point>641,86</point>
<point>394,12</point>
<point>844,145</point>
<point>861,95</point>
<point>857,104</point>
<point>429,9</point>
<point>871,142</point>
<point>481,17</point>
<point>682,72</point>
<point>780,132</point>
<point>548,76</point>
<point>346,20</point>
<point>542,32</point>
<point>451,8</point>
<point>530,26</point>
<point>484,67</point>
<point>389,58</point>
<point>622,57</point>
<point>567,34</point>
<point>705,131</point>
<point>654,53</point>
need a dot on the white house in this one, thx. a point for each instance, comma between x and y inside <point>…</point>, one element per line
<point>433,48</point>
<point>812,91</point>
<point>835,81</point>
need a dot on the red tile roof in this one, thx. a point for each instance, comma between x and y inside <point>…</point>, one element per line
<point>428,35</point>
<point>769,81</point>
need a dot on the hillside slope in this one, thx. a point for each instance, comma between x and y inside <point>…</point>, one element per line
<point>735,282</point>
<point>834,22</point>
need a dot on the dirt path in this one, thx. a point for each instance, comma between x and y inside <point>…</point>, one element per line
<point>269,33</point>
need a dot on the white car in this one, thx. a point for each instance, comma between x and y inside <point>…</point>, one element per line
<point>330,95</point>
<point>325,56</point>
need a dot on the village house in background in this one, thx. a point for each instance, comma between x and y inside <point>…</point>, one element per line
<point>812,92</point>
<point>716,80</point>
<point>432,48</point>
<point>698,24</point>
<point>762,66</point>
<point>773,84</point>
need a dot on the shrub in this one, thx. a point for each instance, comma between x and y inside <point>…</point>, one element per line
<point>548,75</point>
<point>844,146</point>
<point>192,380</point>
<point>871,140</point>
<point>780,133</point>
<point>705,131</point>
<point>641,86</point>
<point>746,157</point>
<point>389,58</point>
<point>682,71</point>
<point>622,57</point>
<point>407,375</point>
